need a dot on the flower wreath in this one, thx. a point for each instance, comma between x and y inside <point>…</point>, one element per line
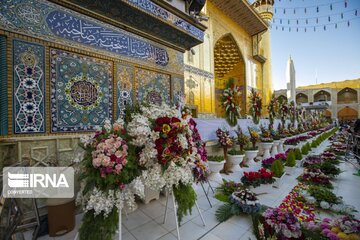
<point>231,101</point>
<point>255,105</point>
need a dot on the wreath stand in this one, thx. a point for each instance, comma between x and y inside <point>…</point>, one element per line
<point>207,192</point>
<point>175,209</point>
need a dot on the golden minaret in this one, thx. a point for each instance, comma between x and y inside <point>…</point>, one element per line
<point>265,9</point>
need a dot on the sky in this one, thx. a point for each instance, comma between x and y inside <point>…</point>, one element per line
<point>331,55</point>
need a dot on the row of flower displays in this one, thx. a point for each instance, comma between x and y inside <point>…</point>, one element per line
<point>155,148</point>
<point>264,143</point>
<point>295,217</point>
<point>280,109</point>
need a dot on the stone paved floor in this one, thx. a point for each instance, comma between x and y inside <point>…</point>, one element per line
<point>146,222</point>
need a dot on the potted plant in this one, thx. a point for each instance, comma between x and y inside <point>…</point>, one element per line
<point>225,142</point>
<point>298,154</point>
<point>290,163</point>
<point>291,143</point>
<point>266,141</point>
<point>258,182</point>
<point>216,163</point>
<point>235,157</point>
<point>277,168</point>
<point>252,151</point>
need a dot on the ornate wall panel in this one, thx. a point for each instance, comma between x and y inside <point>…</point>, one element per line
<point>177,86</point>
<point>3,88</point>
<point>81,91</point>
<point>124,85</point>
<point>28,87</point>
<point>54,23</point>
<point>152,87</point>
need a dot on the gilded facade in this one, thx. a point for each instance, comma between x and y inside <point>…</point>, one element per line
<point>235,46</point>
<point>342,98</point>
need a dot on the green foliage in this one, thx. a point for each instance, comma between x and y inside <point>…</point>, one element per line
<point>304,149</point>
<point>314,144</point>
<point>298,155</point>
<point>290,159</point>
<point>224,191</point>
<point>323,194</point>
<point>330,168</point>
<point>235,152</point>
<point>224,212</point>
<point>99,227</point>
<point>215,158</point>
<point>313,234</point>
<point>185,197</point>
<point>277,168</point>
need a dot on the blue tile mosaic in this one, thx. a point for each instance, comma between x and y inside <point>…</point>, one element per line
<point>28,87</point>
<point>41,18</point>
<point>81,91</point>
<point>152,87</point>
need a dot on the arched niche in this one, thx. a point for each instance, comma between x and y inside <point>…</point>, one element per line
<point>322,96</point>
<point>347,113</point>
<point>229,63</point>
<point>347,95</point>
<point>301,98</point>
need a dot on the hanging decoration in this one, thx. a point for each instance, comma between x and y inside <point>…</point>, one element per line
<point>255,105</point>
<point>342,16</point>
<point>231,102</point>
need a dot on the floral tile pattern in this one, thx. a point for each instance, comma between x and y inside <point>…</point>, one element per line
<point>152,87</point>
<point>29,87</point>
<point>81,91</point>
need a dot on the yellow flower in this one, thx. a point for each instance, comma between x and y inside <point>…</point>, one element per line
<point>166,128</point>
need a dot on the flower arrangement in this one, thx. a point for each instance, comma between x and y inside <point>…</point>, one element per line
<point>283,111</point>
<point>239,201</point>
<point>200,169</point>
<point>265,135</point>
<point>273,108</point>
<point>225,189</point>
<point>282,223</point>
<point>231,102</point>
<point>322,194</point>
<point>242,139</point>
<point>254,137</point>
<point>255,179</point>
<point>292,141</point>
<point>166,151</point>
<point>246,200</point>
<point>295,204</point>
<point>224,138</point>
<point>292,112</point>
<point>255,105</point>
<point>266,163</point>
<point>109,180</point>
<point>317,177</point>
<point>274,134</point>
<point>343,227</point>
